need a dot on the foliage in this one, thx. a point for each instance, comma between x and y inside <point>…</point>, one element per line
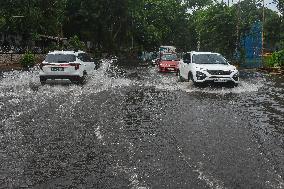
<point>217,29</point>
<point>197,4</point>
<point>2,22</point>
<point>280,5</point>
<point>52,47</point>
<point>116,25</point>
<point>28,60</point>
<point>276,59</point>
<point>74,43</point>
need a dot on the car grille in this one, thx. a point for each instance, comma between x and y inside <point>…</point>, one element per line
<point>219,72</point>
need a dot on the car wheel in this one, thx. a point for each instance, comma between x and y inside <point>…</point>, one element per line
<point>79,80</point>
<point>82,79</point>
<point>180,78</point>
<point>177,73</point>
<point>233,84</point>
<point>75,81</point>
<point>190,77</point>
<point>42,80</point>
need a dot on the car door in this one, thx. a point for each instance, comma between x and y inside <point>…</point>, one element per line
<point>89,65</point>
<point>185,65</point>
<point>90,62</point>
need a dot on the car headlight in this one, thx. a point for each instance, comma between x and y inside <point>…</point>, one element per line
<point>200,75</point>
<point>236,76</point>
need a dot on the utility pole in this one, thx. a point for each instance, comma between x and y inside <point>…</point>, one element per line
<point>198,42</point>
<point>262,36</point>
<point>132,38</point>
<point>238,26</point>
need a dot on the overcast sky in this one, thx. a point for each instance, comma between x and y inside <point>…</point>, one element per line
<point>268,3</point>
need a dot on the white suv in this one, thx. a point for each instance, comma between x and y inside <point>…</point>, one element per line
<point>204,67</point>
<point>72,65</point>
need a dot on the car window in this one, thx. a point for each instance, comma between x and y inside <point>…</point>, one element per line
<point>60,58</point>
<point>169,57</point>
<point>208,59</point>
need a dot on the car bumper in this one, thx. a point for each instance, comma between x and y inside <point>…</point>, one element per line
<point>214,79</point>
<point>60,74</point>
<point>167,69</point>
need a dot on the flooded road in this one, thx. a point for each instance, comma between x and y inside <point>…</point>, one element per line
<point>132,127</point>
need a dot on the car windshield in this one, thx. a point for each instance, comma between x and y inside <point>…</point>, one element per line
<point>209,59</point>
<point>60,58</point>
<point>169,57</point>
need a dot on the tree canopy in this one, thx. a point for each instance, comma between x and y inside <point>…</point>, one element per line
<point>114,25</point>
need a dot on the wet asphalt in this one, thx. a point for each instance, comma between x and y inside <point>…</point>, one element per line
<point>132,127</point>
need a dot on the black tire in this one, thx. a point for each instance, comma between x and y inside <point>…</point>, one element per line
<point>180,78</point>
<point>190,77</point>
<point>75,81</point>
<point>233,84</point>
<point>82,80</point>
<point>177,73</point>
<point>79,80</point>
<point>42,80</point>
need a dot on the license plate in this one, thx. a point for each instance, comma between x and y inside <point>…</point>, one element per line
<point>171,69</point>
<point>57,69</point>
<point>220,80</point>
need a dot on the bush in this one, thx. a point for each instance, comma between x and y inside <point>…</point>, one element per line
<point>276,59</point>
<point>74,43</point>
<point>28,60</point>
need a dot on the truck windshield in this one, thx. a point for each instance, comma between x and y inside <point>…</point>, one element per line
<point>60,58</point>
<point>169,57</point>
<point>209,59</point>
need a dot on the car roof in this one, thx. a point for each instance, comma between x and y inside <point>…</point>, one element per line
<point>198,52</point>
<point>66,52</point>
<point>167,53</point>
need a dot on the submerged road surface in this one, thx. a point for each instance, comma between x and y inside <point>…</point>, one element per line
<point>131,127</point>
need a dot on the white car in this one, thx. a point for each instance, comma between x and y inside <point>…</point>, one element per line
<point>204,67</point>
<point>71,65</point>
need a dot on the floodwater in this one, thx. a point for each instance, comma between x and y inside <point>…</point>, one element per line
<point>132,127</point>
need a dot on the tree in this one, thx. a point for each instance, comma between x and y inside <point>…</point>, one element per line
<point>280,6</point>
<point>216,27</point>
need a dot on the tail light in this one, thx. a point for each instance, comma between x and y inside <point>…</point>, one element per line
<point>76,65</point>
<point>42,65</point>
